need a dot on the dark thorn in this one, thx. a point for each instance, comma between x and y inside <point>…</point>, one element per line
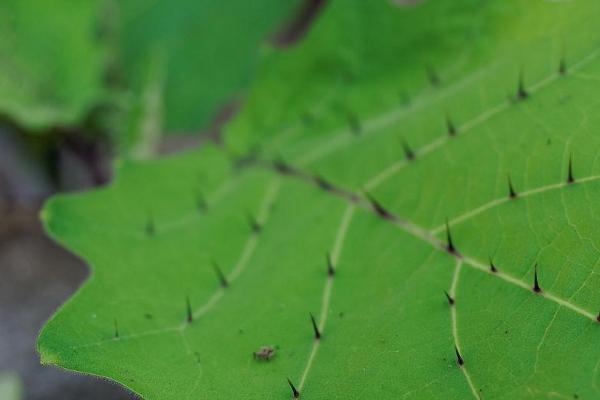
<point>521,92</point>
<point>220,275</point>
<point>459,359</point>
<point>150,230</point>
<point>450,299</point>
<point>432,76</point>
<point>354,123</point>
<point>562,66</point>
<point>536,285</point>
<point>282,167</point>
<point>323,184</point>
<point>315,327</point>
<point>330,268</point>
<point>254,225</point>
<point>201,202</point>
<point>116,329</point>
<point>295,392</point>
<point>450,128</point>
<point>598,317</point>
<point>493,267</point>
<point>378,208</point>
<point>511,190</point>
<point>449,244</point>
<point>570,178</point>
<point>188,307</point>
<point>408,152</point>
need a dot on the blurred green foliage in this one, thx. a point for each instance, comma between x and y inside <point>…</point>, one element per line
<point>50,62</point>
<point>158,66</point>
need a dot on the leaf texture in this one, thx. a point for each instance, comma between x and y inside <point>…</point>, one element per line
<point>403,177</point>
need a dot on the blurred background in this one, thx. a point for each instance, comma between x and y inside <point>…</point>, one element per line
<point>85,82</point>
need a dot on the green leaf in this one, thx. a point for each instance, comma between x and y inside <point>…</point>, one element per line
<point>184,63</point>
<point>372,84</point>
<point>51,64</point>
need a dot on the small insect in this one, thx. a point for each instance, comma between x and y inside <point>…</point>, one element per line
<point>265,353</point>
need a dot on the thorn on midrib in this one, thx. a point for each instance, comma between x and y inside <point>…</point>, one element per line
<point>536,285</point>
<point>459,359</point>
<point>570,177</point>
<point>511,190</point>
<point>408,152</point>
<point>295,392</point>
<point>188,308</point>
<point>254,225</point>
<point>220,275</point>
<point>330,267</point>
<point>450,299</point>
<point>450,128</point>
<point>521,91</point>
<point>315,327</point>
<point>116,328</point>
<point>378,208</point>
<point>562,66</point>
<point>449,244</point>
<point>282,167</point>
<point>598,317</point>
<point>323,183</point>
<point>492,266</point>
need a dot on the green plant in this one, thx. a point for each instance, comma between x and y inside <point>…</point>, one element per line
<point>404,209</point>
<point>143,69</point>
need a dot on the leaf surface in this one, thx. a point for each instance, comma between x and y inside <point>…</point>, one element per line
<point>358,146</point>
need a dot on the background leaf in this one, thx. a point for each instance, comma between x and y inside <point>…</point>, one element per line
<point>357,147</point>
<point>185,63</point>
<point>51,65</point>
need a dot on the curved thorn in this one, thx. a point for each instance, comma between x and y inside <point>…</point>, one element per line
<point>570,177</point>
<point>459,359</point>
<point>449,244</point>
<point>511,190</point>
<point>536,284</point>
<point>450,128</point>
<point>330,268</point>
<point>521,91</point>
<point>220,275</point>
<point>188,307</point>
<point>315,327</point>
<point>408,152</point>
<point>450,299</point>
<point>492,266</point>
<point>295,391</point>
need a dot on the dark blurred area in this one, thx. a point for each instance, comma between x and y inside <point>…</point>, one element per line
<point>37,274</point>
